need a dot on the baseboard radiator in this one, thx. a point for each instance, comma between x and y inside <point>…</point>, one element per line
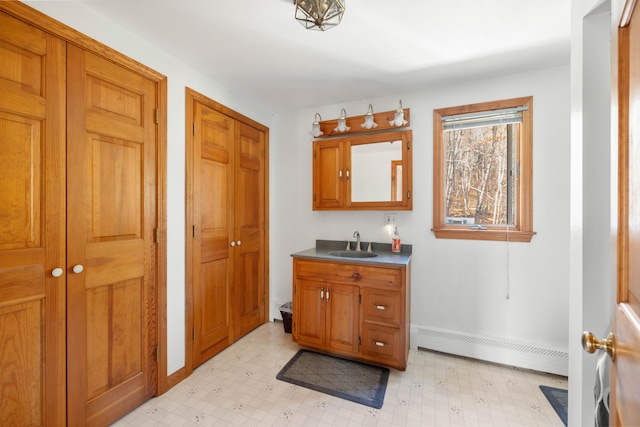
<point>491,349</point>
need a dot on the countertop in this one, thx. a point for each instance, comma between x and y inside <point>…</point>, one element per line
<point>382,250</point>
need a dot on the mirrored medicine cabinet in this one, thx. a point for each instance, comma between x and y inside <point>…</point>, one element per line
<point>366,172</point>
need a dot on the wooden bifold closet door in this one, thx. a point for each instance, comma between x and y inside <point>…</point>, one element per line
<point>111,216</point>
<point>32,226</point>
<point>226,251</point>
<point>80,179</point>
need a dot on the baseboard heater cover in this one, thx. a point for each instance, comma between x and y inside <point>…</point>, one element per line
<point>491,349</point>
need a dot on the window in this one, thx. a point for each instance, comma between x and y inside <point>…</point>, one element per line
<point>482,169</point>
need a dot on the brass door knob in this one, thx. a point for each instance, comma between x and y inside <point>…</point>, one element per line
<point>590,344</point>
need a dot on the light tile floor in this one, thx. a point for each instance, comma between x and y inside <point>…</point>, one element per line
<point>238,387</point>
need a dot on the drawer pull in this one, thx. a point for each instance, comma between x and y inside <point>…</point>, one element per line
<point>355,276</point>
<point>379,344</point>
<point>380,307</point>
<point>321,293</point>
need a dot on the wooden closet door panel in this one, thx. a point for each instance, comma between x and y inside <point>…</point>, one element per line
<point>249,282</point>
<point>32,227</point>
<point>111,146</point>
<point>213,218</point>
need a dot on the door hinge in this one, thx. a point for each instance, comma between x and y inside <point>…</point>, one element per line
<point>193,231</point>
<point>314,154</point>
<point>408,145</point>
<point>314,197</point>
<point>156,233</point>
<point>193,334</point>
<point>359,341</point>
<point>359,299</point>
<point>157,116</point>
<point>194,128</point>
<point>157,353</point>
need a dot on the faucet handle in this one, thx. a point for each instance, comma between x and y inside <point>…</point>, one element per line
<point>348,245</point>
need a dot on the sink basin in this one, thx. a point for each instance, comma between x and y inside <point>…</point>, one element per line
<point>353,254</point>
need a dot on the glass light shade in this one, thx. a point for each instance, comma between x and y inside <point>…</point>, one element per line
<point>342,122</point>
<point>315,128</point>
<point>368,119</point>
<point>319,15</point>
<point>398,119</point>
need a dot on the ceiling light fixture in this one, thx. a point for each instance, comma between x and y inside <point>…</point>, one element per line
<point>315,128</point>
<point>319,15</point>
<point>342,122</point>
<point>368,119</point>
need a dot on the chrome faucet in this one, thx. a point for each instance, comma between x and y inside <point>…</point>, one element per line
<point>357,236</point>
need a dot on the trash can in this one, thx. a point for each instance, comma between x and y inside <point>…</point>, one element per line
<point>285,311</point>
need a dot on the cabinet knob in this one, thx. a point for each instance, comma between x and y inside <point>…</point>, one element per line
<point>238,243</point>
<point>78,268</point>
<point>232,244</point>
<point>355,276</point>
<point>57,272</point>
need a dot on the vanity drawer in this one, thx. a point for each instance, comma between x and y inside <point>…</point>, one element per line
<point>382,306</point>
<point>348,273</point>
<point>383,343</point>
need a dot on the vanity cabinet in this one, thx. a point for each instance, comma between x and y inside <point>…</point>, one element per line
<point>371,172</point>
<point>352,309</point>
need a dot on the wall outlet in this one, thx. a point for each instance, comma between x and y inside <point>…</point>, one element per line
<point>390,219</point>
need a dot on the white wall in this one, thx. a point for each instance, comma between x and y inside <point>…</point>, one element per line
<point>456,284</point>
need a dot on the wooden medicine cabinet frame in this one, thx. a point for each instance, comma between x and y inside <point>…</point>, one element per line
<point>335,169</point>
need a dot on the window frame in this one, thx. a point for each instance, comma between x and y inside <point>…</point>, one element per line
<point>523,230</point>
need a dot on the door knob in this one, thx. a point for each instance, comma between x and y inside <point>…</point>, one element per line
<point>590,344</point>
<point>57,272</point>
<point>78,268</point>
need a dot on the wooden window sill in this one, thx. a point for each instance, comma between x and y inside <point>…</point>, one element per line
<point>492,235</point>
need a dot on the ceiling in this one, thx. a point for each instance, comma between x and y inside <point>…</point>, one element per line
<point>255,48</point>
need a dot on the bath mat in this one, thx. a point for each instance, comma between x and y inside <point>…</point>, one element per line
<point>559,399</point>
<point>346,379</point>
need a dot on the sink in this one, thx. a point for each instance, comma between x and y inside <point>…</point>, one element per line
<point>353,254</point>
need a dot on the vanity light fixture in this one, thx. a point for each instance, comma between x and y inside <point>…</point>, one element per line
<point>319,15</point>
<point>368,119</point>
<point>342,122</point>
<point>315,128</point>
<point>399,120</point>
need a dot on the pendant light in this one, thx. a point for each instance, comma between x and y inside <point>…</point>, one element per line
<point>319,15</point>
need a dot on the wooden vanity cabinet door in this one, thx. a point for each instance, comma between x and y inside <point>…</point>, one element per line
<point>309,313</point>
<point>342,318</point>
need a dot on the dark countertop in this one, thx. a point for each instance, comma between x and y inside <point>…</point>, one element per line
<point>382,250</point>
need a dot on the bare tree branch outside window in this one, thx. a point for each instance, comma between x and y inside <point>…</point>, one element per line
<point>478,166</point>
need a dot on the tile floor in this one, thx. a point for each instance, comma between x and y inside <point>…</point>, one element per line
<point>238,387</point>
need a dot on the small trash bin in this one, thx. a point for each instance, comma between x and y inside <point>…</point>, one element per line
<point>285,311</point>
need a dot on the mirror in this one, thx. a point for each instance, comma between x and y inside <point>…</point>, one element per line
<point>376,171</point>
<point>363,172</point>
